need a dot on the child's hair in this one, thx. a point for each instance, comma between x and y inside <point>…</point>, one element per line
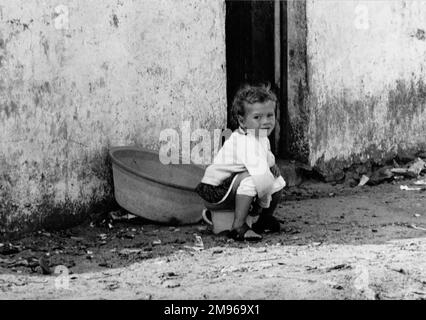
<point>250,94</point>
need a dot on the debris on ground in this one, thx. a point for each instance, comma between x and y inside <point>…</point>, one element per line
<point>416,227</point>
<point>171,284</point>
<point>9,249</point>
<point>45,265</point>
<point>198,242</point>
<point>102,236</point>
<point>407,188</point>
<point>168,280</point>
<point>417,167</point>
<point>413,171</point>
<point>342,266</point>
<point>113,286</point>
<point>400,270</point>
<point>338,287</point>
<point>46,234</point>
<point>420,182</point>
<point>401,171</point>
<point>105,264</point>
<point>156,242</point>
<point>126,234</point>
<point>116,216</point>
<point>363,181</point>
<point>381,175</point>
<point>169,275</point>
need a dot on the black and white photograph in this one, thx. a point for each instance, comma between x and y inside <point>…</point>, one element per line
<point>222,152</point>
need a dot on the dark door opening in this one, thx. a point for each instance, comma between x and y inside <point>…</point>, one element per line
<point>255,37</point>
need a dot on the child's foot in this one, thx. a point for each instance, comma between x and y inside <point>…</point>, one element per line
<point>244,233</point>
<point>266,223</point>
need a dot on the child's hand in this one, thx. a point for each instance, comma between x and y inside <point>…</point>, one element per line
<point>275,170</point>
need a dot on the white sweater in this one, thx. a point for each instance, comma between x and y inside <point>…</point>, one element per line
<point>241,152</point>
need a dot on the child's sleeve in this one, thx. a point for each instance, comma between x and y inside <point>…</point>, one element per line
<point>254,157</point>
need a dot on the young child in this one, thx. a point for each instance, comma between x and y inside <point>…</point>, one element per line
<point>248,149</point>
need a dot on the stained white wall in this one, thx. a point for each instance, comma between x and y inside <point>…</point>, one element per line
<point>366,74</point>
<point>80,76</point>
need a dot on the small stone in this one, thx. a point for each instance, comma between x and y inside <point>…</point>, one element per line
<point>172,285</point>
<point>113,286</point>
<point>102,236</point>
<point>156,242</point>
<point>337,287</point>
<point>199,242</point>
<point>104,264</point>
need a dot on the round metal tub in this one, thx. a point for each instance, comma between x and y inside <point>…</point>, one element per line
<point>147,188</point>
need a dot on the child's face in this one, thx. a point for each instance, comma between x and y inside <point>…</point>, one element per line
<point>259,115</point>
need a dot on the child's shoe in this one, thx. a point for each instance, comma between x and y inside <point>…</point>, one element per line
<point>244,233</point>
<point>266,223</point>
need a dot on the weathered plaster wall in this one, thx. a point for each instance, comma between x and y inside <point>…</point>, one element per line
<point>297,90</point>
<point>80,76</point>
<point>366,73</point>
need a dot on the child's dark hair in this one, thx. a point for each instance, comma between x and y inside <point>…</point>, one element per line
<point>250,94</point>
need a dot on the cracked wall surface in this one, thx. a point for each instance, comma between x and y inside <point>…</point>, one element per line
<point>78,77</point>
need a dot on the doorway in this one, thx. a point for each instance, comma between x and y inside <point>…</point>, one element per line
<point>256,35</point>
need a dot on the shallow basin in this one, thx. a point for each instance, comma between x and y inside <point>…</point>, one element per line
<point>149,189</point>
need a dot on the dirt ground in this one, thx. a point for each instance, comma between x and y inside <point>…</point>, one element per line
<point>336,242</point>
